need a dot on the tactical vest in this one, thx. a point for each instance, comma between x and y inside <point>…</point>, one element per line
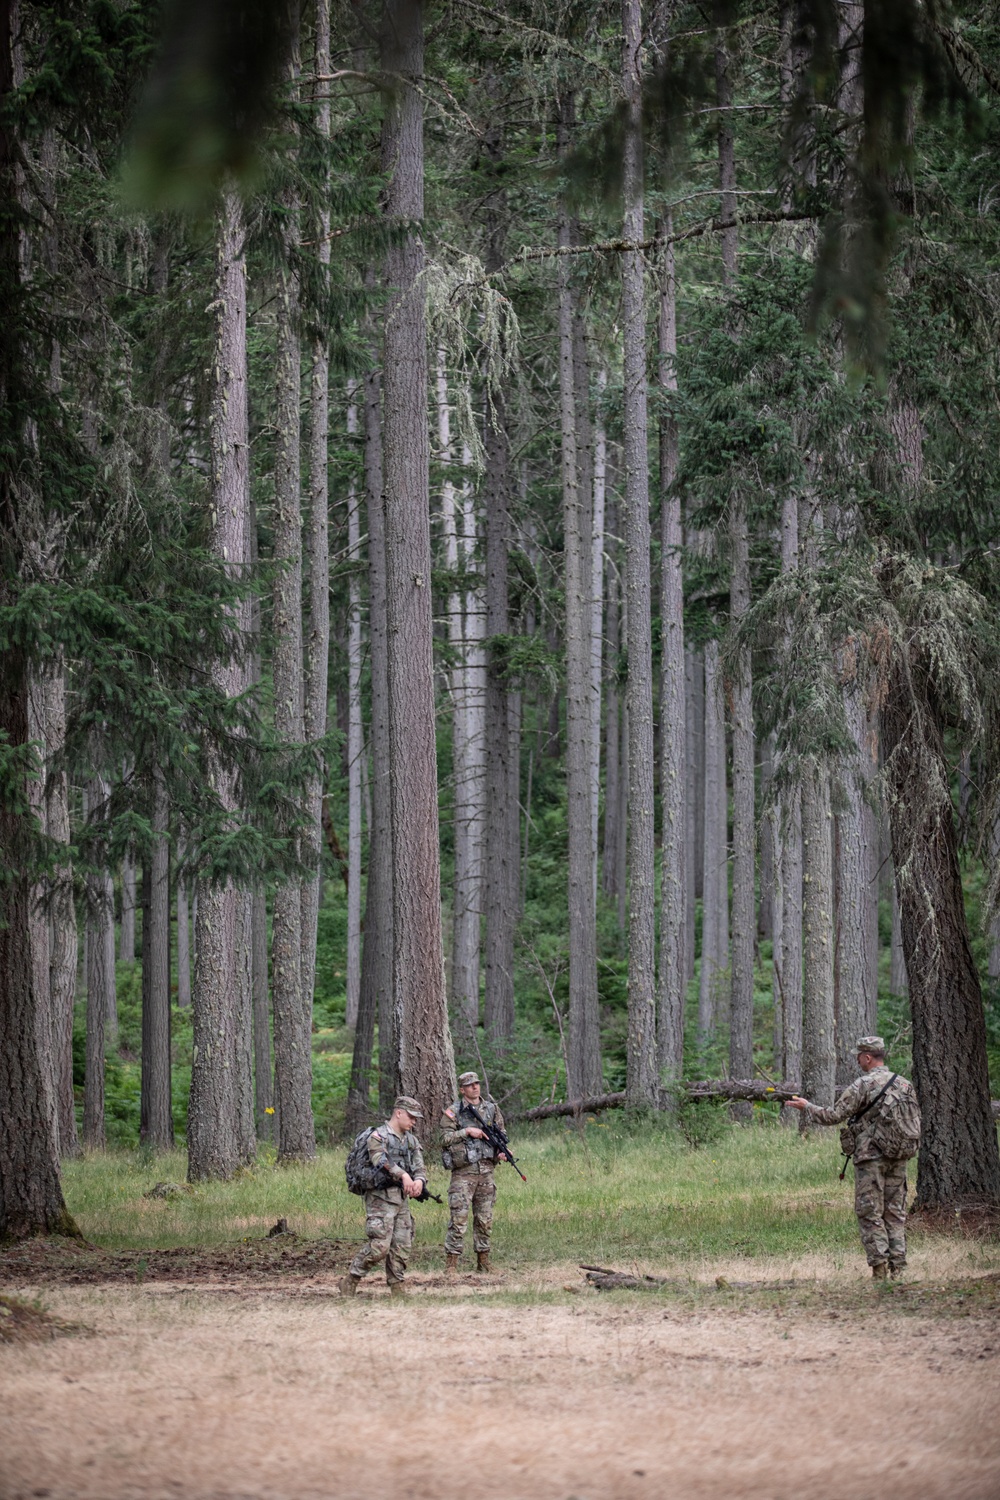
<point>467,1152</point>
<point>398,1149</point>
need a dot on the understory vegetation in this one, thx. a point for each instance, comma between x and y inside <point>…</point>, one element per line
<point>609,1192</point>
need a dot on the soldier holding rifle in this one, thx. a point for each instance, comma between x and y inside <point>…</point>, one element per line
<point>471,1155</point>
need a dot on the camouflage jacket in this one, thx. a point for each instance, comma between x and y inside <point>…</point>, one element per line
<point>855,1097</point>
<point>396,1154</point>
<point>461,1149</point>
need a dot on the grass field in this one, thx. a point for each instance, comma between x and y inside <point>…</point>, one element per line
<point>607,1193</point>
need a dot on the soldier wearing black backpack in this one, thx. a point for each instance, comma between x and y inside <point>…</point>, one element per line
<point>387,1167</point>
<point>882,1133</point>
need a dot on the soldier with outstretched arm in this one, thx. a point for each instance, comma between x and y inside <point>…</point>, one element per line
<point>869,1104</point>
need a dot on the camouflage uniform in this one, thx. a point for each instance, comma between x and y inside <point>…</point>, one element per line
<point>472,1185</point>
<point>879,1184</point>
<point>388,1220</point>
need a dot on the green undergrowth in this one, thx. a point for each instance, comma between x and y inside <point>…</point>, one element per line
<point>611,1192</point>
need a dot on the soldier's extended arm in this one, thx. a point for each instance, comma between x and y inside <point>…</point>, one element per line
<point>848,1104</point>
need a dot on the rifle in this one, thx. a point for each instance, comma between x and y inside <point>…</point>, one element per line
<point>496,1137</point>
<point>424,1196</point>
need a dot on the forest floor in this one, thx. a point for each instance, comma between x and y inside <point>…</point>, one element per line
<point>241,1373</point>
<point>183,1350</point>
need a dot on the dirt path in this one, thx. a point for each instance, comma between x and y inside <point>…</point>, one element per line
<point>270,1391</point>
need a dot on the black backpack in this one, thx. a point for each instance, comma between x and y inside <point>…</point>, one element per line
<point>361,1176</point>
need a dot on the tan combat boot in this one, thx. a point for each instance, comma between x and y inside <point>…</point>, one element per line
<point>896,1269</point>
<point>880,1272</point>
<point>483,1261</point>
<point>349,1284</point>
<point>451,1265</point>
<point>397,1288</point>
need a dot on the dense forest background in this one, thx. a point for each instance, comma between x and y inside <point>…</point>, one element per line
<point>500,524</point>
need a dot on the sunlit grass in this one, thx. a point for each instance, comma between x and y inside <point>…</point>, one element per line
<point>607,1194</point>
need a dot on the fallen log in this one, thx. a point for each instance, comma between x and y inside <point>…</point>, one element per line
<point>699,1088</point>
<point>605,1280</point>
<point>712,1088</point>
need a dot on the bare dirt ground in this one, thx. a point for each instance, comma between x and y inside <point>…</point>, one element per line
<point>264,1384</point>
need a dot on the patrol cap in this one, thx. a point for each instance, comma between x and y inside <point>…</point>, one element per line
<point>873,1044</point>
<point>410,1105</point>
<point>464,1079</point>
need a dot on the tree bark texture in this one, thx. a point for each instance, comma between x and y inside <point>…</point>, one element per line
<point>744,865</point>
<point>317,554</point>
<point>126,928</point>
<point>31,1200</point>
<point>156,1123</point>
<point>183,908</point>
<point>598,514</point>
<point>819,1051</point>
<point>676,870</point>
<point>857,892</point>
<point>292,1005</point>
<point>612,711</point>
<point>219,1142</point>
<point>100,975</point>
<point>355,742</point>
<point>787,943</point>
<point>63,945</point>
<point>715,897</point>
<point>642,1083</point>
<point>466,728</point>
<point>263,1076</point>
<point>584,1020</point>
<point>376,1001</point>
<point>426,1059</point>
<point>693,803</point>
<point>959,1162</point>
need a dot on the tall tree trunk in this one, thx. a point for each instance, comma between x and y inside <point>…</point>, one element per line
<point>500,849</point>
<point>693,805</point>
<point>292,1004</point>
<point>788,933</point>
<point>612,713</point>
<point>263,1076</point>
<point>899,984</point>
<point>715,897</point>
<point>819,1053</point>
<point>355,743</point>
<point>426,1059</point>
<point>857,891</point>
<point>63,953</point>
<point>584,1022</point>
<point>156,1122</point>
<point>31,1200</point>
<point>126,930</point>
<point>642,1082</point>
<point>376,1002</point>
<point>317,550</point>
<point>675,881</point>
<point>597,615</point>
<point>222,999</point>
<point>959,1162</point>
<point>465,904</point>
<point>183,945</point>
<point>744,914</point>
<point>100,976</point>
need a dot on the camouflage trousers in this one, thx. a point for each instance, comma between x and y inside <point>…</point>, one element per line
<point>880,1204</point>
<point>475,1189</point>
<point>389,1227</point>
